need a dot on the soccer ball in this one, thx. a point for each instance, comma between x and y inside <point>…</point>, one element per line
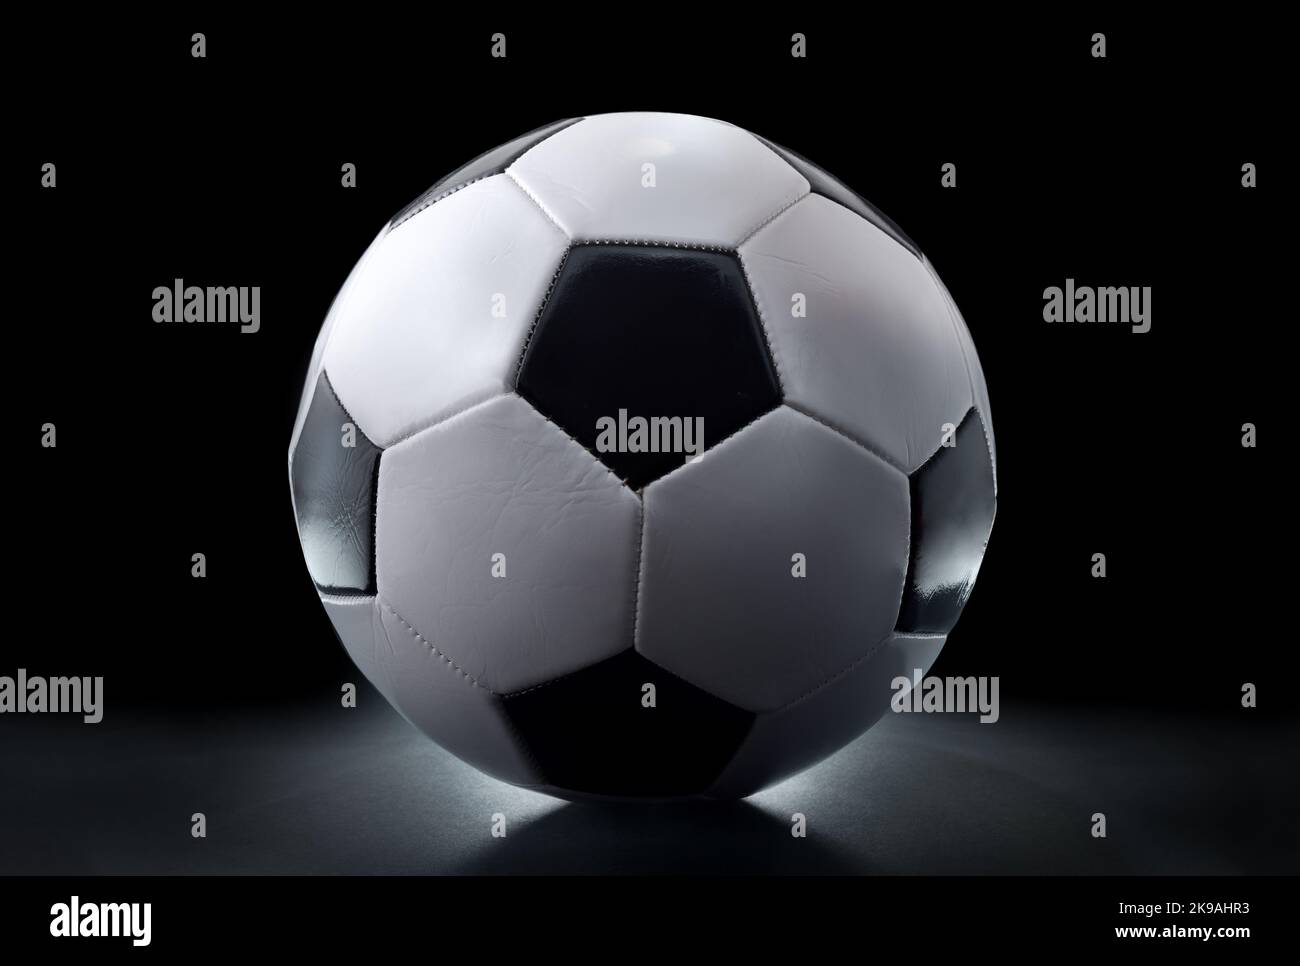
<point>638,457</point>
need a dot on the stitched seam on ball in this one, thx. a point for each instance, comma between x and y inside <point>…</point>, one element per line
<point>446,419</point>
<point>907,568</point>
<point>988,445</point>
<point>550,216</point>
<point>889,228</point>
<point>735,432</point>
<point>762,324</point>
<point>565,433</point>
<point>836,676</point>
<point>344,599</point>
<point>374,520</point>
<point>429,644</point>
<point>712,448</point>
<point>573,122</point>
<point>838,431</point>
<point>329,384</point>
<point>640,563</point>
<point>660,243</point>
<point>640,494</point>
<point>518,737</point>
<point>374,481</point>
<point>992,472</point>
<point>768,146</point>
<point>507,695</point>
<point>549,682</point>
<point>938,449</point>
<point>537,317</point>
<point>441,195</point>
<point>907,488</point>
<point>799,174</point>
<point>775,215</point>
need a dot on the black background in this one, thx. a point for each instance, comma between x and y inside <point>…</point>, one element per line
<point>226,171</point>
<point>172,439</point>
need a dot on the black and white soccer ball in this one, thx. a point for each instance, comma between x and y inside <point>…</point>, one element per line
<point>581,603</point>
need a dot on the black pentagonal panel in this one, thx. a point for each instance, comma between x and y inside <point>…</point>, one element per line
<point>592,735</point>
<point>334,488</point>
<point>486,164</point>
<point>952,514</point>
<point>828,186</point>
<point>653,333</point>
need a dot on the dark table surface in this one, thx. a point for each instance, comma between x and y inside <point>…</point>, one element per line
<point>360,792</point>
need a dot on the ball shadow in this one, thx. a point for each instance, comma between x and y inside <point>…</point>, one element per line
<point>581,837</point>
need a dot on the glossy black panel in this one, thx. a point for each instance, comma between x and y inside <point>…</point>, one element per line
<point>828,186</point>
<point>952,514</point>
<point>591,734</point>
<point>334,488</point>
<point>486,164</point>
<point>654,332</point>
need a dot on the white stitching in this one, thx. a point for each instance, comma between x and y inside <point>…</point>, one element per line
<point>652,243</point>
<point>445,194</point>
<point>994,474</point>
<point>993,466</point>
<point>762,324</point>
<point>537,201</point>
<point>883,457</point>
<point>573,122</point>
<point>576,442</point>
<point>907,567</point>
<point>328,598</point>
<point>640,564</point>
<point>429,644</point>
<point>775,215</point>
<point>445,419</point>
<point>430,202</point>
<point>845,670</point>
<point>537,316</point>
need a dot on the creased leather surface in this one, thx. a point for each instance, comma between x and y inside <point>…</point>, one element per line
<point>334,496</point>
<point>502,479</point>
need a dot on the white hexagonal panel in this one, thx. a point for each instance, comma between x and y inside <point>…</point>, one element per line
<point>713,183</point>
<point>719,604</point>
<point>435,318</point>
<point>501,479</point>
<point>876,352</point>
